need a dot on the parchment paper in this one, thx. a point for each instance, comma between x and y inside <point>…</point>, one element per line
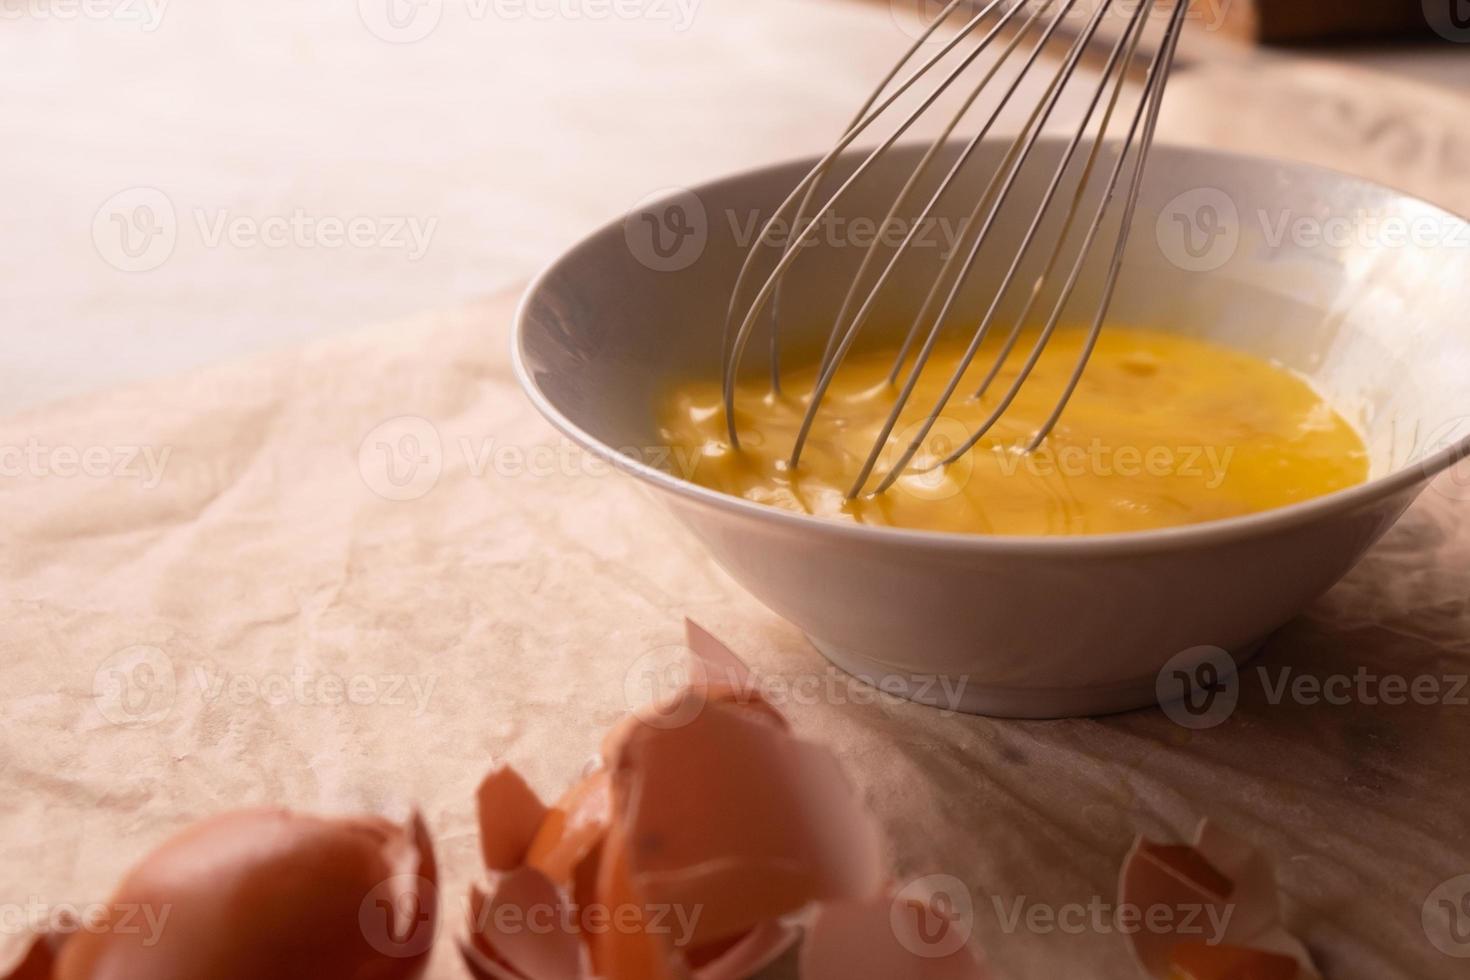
<point>257,619</point>
<point>1395,130</point>
<point>510,613</point>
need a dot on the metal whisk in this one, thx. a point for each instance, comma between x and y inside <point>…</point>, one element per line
<point>1033,27</point>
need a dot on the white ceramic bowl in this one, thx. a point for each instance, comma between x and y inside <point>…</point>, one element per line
<point>1284,260</point>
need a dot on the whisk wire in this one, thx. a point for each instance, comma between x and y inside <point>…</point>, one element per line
<point>820,171</point>
<point>734,352</point>
<point>1072,279</point>
<point>1136,27</point>
<point>1026,142</point>
<point>833,355</point>
<point>957,266</point>
<point>1130,208</point>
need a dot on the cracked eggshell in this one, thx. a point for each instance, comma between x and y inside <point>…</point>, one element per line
<point>863,941</point>
<point>743,821</point>
<point>1201,961</point>
<point>707,823</point>
<point>750,954</point>
<point>573,829</point>
<point>37,960</point>
<point>510,816</point>
<point>716,676</point>
<point>1232,883</point>
<point>522,925</point>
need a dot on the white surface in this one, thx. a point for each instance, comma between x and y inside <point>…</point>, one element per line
<point>508,135</point>
<point>515,135</point>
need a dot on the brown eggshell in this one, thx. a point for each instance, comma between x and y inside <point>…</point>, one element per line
<point>1201,961</point>
<point>858,941</point>
<point>705,806</point>
<point>510,815</point>
<point>736,818</point>
<point>749,954</point>
<point>270,893</point>
<point>37,961</point>
<point>629,953</point>
<point>721,666</point>
<point>522,925</point>
<point>725,676</point>
<point>1183,861</point>
<point>572,829</point>
<point>482,966</point>
<point>1165,875</point>
<point>1257,906</point>
<point>727,679</point>
<point>716,676</point>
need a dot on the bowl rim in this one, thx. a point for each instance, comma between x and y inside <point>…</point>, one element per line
<point>1204,533</point>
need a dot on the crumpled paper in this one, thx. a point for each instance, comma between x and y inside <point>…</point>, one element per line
<point>267,623</point>
<point>1395,130</point>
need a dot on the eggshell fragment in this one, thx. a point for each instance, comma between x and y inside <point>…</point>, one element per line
<point>572,829</point>
<point>510,816</point>
<point>755,824</point>
<point>1201,961</point>
<point>860,941</point>
<point>631,951</point>
<point>716,676</point>
<point>1185,863</point>
<point>521,925</point>
<point>750,954</point>
<point>705,824</point>
<point>1254,896</point>
<point>267,893</point>
<point>721,665</point>
<point>1229,882</point>
<point>37,962</point>
<point>484,967</point>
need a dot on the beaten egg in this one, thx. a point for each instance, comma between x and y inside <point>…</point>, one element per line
<point>1163,430</point>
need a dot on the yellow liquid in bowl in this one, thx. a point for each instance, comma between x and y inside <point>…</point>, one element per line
<point>1163,430</point>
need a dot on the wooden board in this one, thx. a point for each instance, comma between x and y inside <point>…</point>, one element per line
<point>1296,21</point>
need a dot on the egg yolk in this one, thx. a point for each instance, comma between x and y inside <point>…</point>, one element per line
<point>1162,430</point>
